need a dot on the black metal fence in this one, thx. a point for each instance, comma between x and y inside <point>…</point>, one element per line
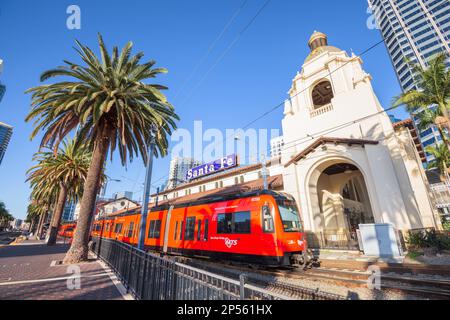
<point>151,277</point>
<point>332,241</point>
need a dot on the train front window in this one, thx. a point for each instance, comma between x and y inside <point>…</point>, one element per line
<point>289,216</point>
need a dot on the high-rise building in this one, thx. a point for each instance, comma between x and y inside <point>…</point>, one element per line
<point>416,30</point>
<point>69,211</point>
<point>2,91</point>
<point>2,87</point>
<point>5,137</point>
<point>178,170</point>
<point>276,146</point>
<point>123,194</point>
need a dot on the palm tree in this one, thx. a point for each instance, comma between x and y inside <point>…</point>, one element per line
<point>62,174</point>
<point>433,85</point>
<point>5,216</point>
<point>113,108</point>
<point>40,207</point>
<point>32,216</point>
<point>442,158</point>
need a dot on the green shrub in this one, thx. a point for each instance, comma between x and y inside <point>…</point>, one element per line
<point>414,255</point>
<point>429,239</point>
<point>446,225</point>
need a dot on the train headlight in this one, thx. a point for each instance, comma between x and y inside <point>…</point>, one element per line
<point>300,243</point>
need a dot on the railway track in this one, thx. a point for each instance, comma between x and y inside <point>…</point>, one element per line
<point>420,285</point>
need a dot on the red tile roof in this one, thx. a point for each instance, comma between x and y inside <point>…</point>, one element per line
<point>409,124</point>
<point>274,183</point>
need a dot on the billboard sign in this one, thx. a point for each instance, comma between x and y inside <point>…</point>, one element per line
<point>204,170</point>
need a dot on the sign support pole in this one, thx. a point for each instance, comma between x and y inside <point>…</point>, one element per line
<point>145,200</point>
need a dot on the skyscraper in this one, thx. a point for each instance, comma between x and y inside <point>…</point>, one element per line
<point>178,169</point>
<point>2,91</point>
<point>69,211</point>
<point>2,87</point>
<point>5,136</point>
<point>416,30</point>
<point>276,146</point>
<point>123,194</point>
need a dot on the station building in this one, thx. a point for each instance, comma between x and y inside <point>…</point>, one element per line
<point>342,159</point>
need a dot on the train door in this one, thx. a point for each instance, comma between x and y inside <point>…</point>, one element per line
<point>167,229</point>
<point>135,239</point>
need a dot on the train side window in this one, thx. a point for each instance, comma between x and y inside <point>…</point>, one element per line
<point>155,229</point>
<point>267,220</point>
<point>118,228</point>
<point>224,222</point>
<point>205,236</point>
<point>234,223</point>
<point>199,230</point>
<point>190,229</point>
<point>130,230</point>
<point>181,230</point>
<point>176,231</point>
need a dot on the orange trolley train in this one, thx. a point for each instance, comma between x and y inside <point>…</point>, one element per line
<point>67,229</point>
<point>261,227</point>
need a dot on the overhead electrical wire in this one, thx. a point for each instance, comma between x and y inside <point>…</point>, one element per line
<point>212,47</point>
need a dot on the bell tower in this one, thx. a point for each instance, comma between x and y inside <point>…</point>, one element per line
<point>318,39</point>
<point>331,90</point>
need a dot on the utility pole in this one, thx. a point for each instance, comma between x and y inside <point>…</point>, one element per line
<point>264,172</point>
<point>147,185</point>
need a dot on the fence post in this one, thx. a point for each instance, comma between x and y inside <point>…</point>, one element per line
<point>174,281</point>
<point>242,280</point>
<point>129,269</point>
<point>144,277</point>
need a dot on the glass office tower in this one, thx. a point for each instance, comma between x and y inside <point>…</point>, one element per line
<point>5,136</point>
<point>416,30</point>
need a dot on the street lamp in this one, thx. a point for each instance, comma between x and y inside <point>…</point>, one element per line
<point>106,185</point>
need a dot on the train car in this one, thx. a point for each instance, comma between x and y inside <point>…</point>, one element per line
<point>66,230</point>
<point>261,227</point>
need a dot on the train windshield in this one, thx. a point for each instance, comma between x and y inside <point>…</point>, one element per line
<point>289,215</point>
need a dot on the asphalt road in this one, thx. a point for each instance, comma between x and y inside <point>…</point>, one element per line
<point>8,237</point>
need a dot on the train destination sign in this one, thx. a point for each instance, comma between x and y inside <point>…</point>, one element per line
<point>224,163</point>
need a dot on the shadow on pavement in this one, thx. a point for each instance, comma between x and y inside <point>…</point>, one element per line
<point>31,250</point>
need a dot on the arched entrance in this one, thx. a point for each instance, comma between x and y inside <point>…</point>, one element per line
<point>339,200</point>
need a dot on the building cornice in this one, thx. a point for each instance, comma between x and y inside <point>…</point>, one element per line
<point>326,140</point>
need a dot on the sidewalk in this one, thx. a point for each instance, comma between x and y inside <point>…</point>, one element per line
<point>29,271</point>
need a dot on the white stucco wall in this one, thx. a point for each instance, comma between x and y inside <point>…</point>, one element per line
<point>392,169</point>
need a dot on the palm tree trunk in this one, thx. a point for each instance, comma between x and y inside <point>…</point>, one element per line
<point>444,111</point>
<point>78,251</point>
<point>52,232</point>
<point>41,224</point>
<point>32,224</point>
<point>443,135</point>
<point>41,218</point>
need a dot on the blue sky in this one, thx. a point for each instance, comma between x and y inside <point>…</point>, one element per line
<point>253,76</point>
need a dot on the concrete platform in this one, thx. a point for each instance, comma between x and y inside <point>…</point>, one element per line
<point>29,270</point>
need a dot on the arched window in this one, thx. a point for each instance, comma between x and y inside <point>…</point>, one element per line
<point>322,94</point>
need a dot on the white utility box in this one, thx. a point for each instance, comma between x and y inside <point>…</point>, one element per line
<point>380,240</point>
